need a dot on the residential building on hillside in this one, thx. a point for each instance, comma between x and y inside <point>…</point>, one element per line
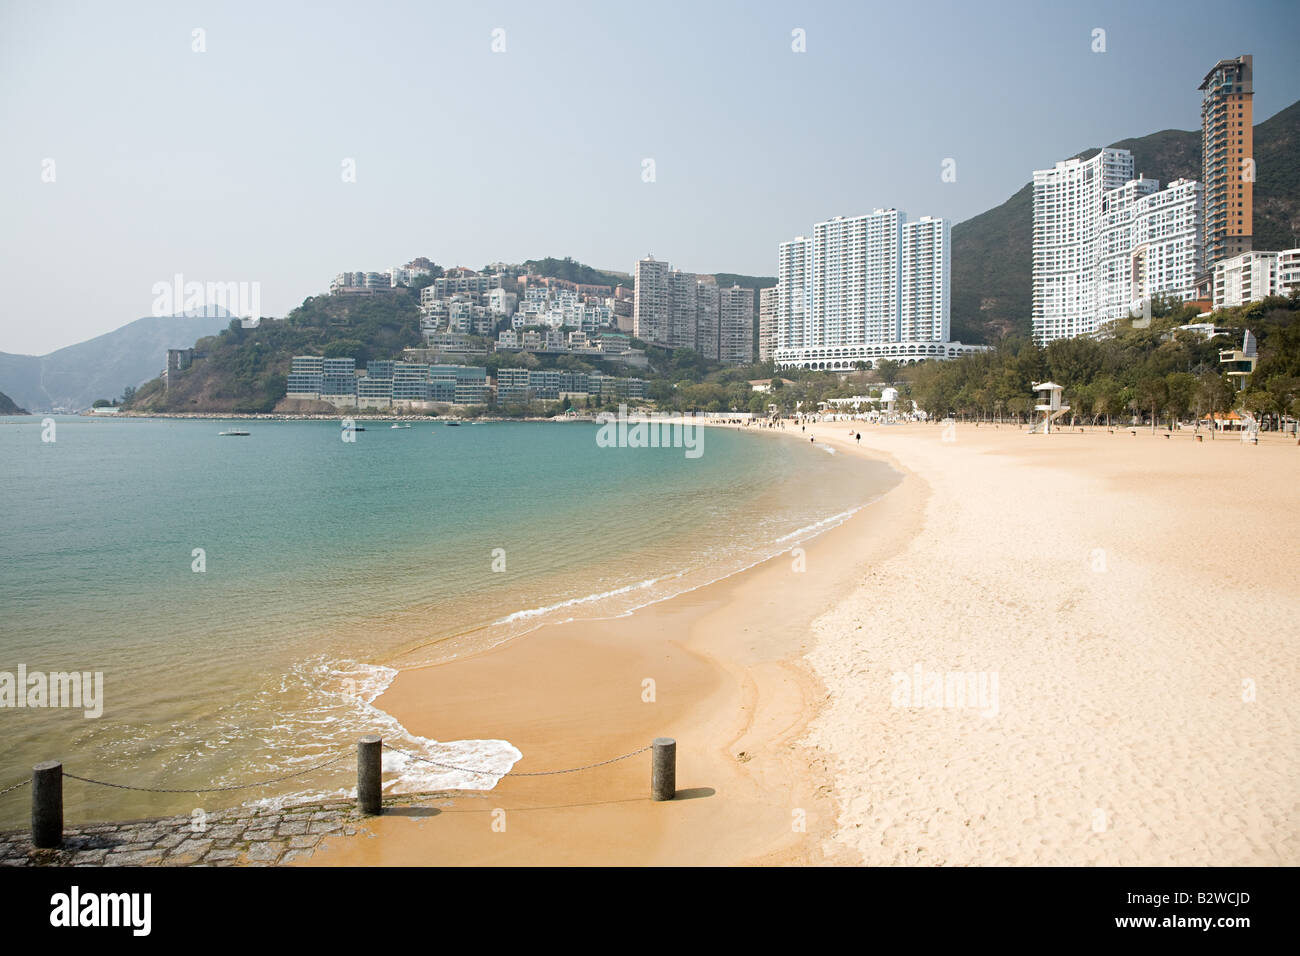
<point>651,304</point>
<point>306,377</point>
<point>736,326</point>
<point>1248,277</point>
<point>707,305</point>
<point>518,385</point>
<point>1227,158</point>
<point>448,285</point>
<point>1107,242</point>
<point>767,305</point>
<point>682,309</point>
<point>361,283</point>
<point>1067,226</point>
<point>1288,272</point>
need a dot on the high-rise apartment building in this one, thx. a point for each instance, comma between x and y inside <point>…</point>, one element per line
<point>857,278</point>
<point>1227,157</point>
<point>767,305</point>
<point>651,303</point>
<point>925,261</point>
<point>1105,243</point>
<point>1067,224</point>
<point>707,302</point>
<point>736,326</point>
<point>864,288</point>
<point>794,293</point>
<point>681,309</point>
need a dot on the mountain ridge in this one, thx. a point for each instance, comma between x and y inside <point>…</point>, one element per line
<point>101,367</point>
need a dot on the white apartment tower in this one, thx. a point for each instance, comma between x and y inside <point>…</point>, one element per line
<point>651,302</point>
<point>794,295</point>
<point>925,254</point>
<point>1152,244</point>
<point>857,278</point>
<point>880,288</point>
<point>1105,243</point>
<point>1067,223</point>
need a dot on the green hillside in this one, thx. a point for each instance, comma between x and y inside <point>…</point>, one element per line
<point>992,252</point>
<point>246,370</point>
<point>7,406</point>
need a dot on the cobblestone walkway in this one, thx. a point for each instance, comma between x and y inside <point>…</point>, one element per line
<point>260,837</point>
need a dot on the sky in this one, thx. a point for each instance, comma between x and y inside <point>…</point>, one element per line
<point>484,132</point>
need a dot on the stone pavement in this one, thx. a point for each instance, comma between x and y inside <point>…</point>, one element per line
<point>244,837</point>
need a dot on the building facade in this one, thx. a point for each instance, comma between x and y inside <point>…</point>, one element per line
<point>1067,225</point>
<point>651,303</point>
<point>794,293</point>
<point>1247,278</point>
<point>682,307</point>
<point>861,289</point>
<point>707,304</point>
<point>1106,243</point>
<point>1227,158</point>
<point>925,296</point>
<point>736,326</point>
<point>767,307</point>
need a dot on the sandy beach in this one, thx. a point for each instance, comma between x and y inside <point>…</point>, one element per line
<point>1065,649</point>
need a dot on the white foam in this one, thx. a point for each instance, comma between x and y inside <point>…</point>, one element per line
<point>572,602</point>
<point>349,689</point>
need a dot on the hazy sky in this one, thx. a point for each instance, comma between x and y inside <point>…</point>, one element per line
<point>226,165</point>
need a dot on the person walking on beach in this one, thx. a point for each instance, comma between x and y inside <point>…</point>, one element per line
<point>859,438</point>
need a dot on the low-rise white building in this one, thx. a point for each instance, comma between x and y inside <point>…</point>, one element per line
<point>1246,278</point>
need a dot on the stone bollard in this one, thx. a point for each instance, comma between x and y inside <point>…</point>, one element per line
<point>47,804</point>
<point>663,769</point>
<point>370,773</point>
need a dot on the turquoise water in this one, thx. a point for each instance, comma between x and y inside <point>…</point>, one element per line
<point>328,563</point>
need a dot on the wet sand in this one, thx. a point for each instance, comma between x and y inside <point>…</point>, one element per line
<point>1120,588</point>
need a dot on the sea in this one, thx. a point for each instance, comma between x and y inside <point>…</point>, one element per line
<point>245,600</point>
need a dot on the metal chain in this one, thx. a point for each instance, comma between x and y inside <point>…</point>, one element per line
<point>20,783</point>
<point>243,786</point>
<point>533,773</point>
<point>321,766</point>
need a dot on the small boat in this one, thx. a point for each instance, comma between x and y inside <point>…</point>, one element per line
<point>453,424</point>
<point>232,432</point>
<point>401,426</point>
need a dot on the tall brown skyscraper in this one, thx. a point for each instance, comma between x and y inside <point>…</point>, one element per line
<point>1227,155</point>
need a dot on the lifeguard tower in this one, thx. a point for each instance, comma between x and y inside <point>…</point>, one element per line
<point>1239,365</point>
<point>1049,403</point>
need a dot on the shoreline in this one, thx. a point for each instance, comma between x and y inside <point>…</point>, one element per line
<point>1125,594</point>
<point>729,684</point>
<point>1074,567</point>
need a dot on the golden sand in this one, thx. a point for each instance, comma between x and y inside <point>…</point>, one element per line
<point>1131,599</point>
